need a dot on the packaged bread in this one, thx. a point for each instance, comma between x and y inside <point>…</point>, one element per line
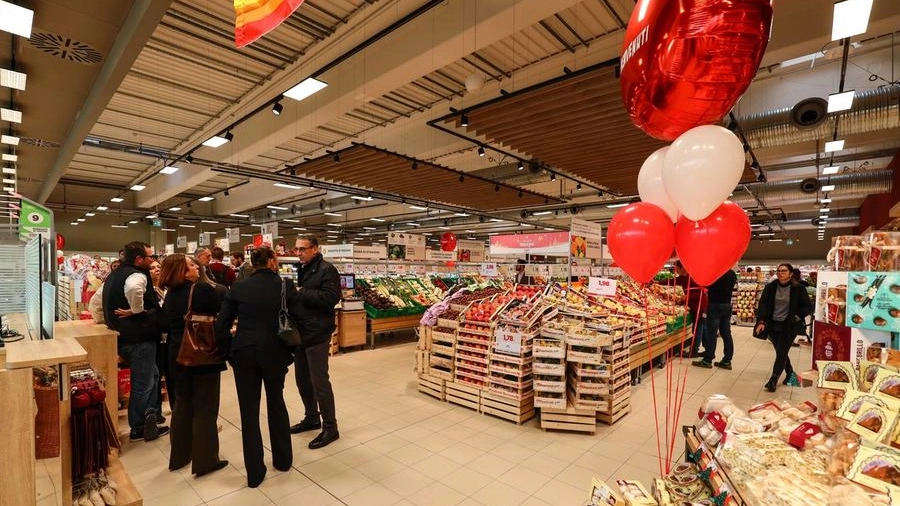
<point>837,374</point>
<point>874,422</point>
<point>635,494</point>
<point>603,495</point>
<point>843,451</point>
<point>829,402</point>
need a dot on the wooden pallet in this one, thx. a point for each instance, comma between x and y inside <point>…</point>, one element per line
<point>433,386</point>
<point>460,394</point>
<point>619,411</point>
<point>569,418</point>
<point>517,411</point>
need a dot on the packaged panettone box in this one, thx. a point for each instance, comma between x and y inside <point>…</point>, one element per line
<point>887,384</point>
<point>837,374</point>
<point>635,494</point>
<point>874,422</point>
<point>876,466</point>
<point>854,399</point>
<point>603,495</point>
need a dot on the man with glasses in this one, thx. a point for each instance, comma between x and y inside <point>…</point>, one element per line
<point>318,291</point>
<point>131,307</point>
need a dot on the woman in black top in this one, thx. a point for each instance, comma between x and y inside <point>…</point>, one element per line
<point>194,436</point>
<point>258,359</point>
<point>781,313</point>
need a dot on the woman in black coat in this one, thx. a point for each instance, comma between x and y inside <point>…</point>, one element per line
<point>194,436</point>
<point>258,359</point>
<point>781,314</point>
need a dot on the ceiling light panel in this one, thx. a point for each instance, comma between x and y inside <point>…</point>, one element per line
<point>7,157</point>
<point>15,19</point>
<point>138,187</point>
<point>851,17</point>
<point>206,199</point>
<point>12,79</point>
<point>215,141</point>
<point>828,188</point>
<point>12,140</point>
<point>10,115</point>
<point>832,146</point>
<point>306,88</point>
<point>169,169</point>
<point>827,171</point>
<point>116,199</point>
<point>838,102</point>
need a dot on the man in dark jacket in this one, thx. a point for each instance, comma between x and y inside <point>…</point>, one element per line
<point>319,290</point>
<point>718,319</point>
<point>131,307</point>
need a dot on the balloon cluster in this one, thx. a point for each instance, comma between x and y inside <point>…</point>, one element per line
<point>686,183</point>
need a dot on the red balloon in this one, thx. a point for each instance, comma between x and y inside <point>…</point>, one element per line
<point>640,239</point>
<point>60,241</point>
<point>448,241</point>
<point>709,247</point>
<point>686,63</point>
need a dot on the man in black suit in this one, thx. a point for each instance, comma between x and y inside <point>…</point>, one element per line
<point>259,358</point>
<point>319,290</point>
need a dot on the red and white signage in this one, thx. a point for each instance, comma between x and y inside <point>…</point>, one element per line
<point>546,243</point>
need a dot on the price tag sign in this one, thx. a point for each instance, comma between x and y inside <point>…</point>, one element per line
<point>488,270</point>
<point>602,286</point>
<point>507,341</point>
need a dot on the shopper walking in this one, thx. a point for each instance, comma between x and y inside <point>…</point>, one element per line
<point>319,291</point>
<point>782,309</point>
<point>131,307</point>
<point>258,359</point>
<point>194,437</point>
<point>221,273</point>
<point>718,319</point>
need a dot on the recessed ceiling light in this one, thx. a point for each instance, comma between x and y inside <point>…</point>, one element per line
<point>12,79</point>
<point>206,199</point>
<point>89,214</point>
<point>102,208</point>
<point>168,169</point>
<point>167,229</point>
<point>239,215</point>
<point>8,157</point>
<point>9,189</point>
<point>12,140</point>
<point>119,226</point>
<point>133,222</point>
<point>827,188</point>
<point>840,101</point>
<point>825,201</point>
<point>334,225</point>
<point>277,208</point>
<point>305,88</point>
<point>15,19</point>
<point>300,229</point>
<point>461,214</point>
<point>9,170</point>
<point>496,220</point>
<point>290,220</point>
<point>541,213</point>
<point>80,219</point>
<point>208,221</point>
<point>74,223</point>
<point>9,181</point>
<point>851,17</point>
<point>827,171</point>
<point>358,197</point>
<point>767,234</point>
<point>288,186</point>
<point>332,214</point>
<point>377,219</point>
<point>116,199</point>
<point>218,140</point>
<point>174,209</point>
<point>418,208</point>
<point>187,226</point>
<point>825,210</point>
<point>832,146</point>
<point>138,187</point>
<point>152,216</point>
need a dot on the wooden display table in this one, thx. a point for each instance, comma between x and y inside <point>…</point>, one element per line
<point>100,342</point>
<point>352,328</point>
<point>390,324</point>
<point>640,353</point>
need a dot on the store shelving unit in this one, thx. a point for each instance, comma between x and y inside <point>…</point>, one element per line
<point>747,291</point>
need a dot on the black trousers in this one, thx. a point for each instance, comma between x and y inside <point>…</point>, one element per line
<point>254,369</point>
<point>311,373</point>
<point>194,435</point>
<point>782,336</point>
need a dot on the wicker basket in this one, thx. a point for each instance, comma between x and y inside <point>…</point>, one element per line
<point>46,422</point>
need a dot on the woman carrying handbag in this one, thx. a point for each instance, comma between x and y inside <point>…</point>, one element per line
<point>780,316</point>
<point>260,358</point>
<point>194,437</point>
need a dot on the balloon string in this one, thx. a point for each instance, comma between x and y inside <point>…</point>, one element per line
<point>653,386</point>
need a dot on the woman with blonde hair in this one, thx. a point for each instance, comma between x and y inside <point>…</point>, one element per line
<point>194,437</point>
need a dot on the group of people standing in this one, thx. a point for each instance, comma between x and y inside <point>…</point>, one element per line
<point>245,302</point>
<point>780,317</point>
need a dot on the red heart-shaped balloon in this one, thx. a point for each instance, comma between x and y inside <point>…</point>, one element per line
<point>686,63</point>
<point>640,239</point>
<point>709,247</point>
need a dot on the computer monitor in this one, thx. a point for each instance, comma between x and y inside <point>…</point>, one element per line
<point>348,282</point>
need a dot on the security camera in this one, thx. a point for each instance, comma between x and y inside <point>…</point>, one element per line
<point>481,219</point>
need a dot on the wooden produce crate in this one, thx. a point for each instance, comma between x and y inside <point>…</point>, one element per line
<point>543,365</point>
<point>541,400</point>
<point>422,359</point>
<point>582,355</point>
<point>440,361</point>
<point>614,413</point>
<point>468,396</point>
<point>446,338</point>
<point>433,386</point>
<point>548,383</point>
<point>548,348</point>
<point>509,408</point>
<point>424,342</point>
<point>442,349</point>
<point>580,338</point>
<point>447,322</point>
<point>569,418</point>
<point>441,372</point>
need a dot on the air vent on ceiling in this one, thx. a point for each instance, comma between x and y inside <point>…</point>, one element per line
<point>809,185</point>
<point>65,48</point>
<point>809,112</point>
<point>41,143</point>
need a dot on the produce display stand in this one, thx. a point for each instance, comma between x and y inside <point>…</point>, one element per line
<point>390,324</point>
<point>569,419</point>
<point>718,482</point>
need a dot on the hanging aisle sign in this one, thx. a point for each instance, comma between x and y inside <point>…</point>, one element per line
<point>338,250</point>
<point>222,242</point>
<point>34,219</point>
<point>585,239</point>
<point>191,247</point>
<point>470,251</point>
<point>403,246</point>
<point>233,234</point>
<point>181,241</point>
<point>545,243</point>
<point>205,238</point>
<point>440,256</point>
<point>170,249</point>
<point>270,228</point>
<point>374,252</point>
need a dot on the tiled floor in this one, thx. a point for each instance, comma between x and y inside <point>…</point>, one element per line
<point>400,447</point>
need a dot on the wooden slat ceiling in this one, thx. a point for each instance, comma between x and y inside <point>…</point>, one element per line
<point>577,124</point>
<point>370,168</point>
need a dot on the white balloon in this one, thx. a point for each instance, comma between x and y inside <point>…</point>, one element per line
<point>650,183</point>
<point>702,168</point>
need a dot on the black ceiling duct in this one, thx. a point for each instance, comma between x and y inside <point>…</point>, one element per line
<point>809,112</point>
<point>809,185</point>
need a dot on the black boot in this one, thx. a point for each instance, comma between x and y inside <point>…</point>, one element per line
<point>770,386</point>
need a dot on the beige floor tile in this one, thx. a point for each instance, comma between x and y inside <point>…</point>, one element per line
<point>243,497</point>
<point>491,465</point>
<point>436,494</point>
<point>524,478</point>
<point>372,495</point>
<point>512,451</point>
<point>406,482</point>
<point>436,466</point>
<point>464,480</point>
<point>534,501</point>
<point>380,467</point>
<point>546,465</point>
<point>183,496</point>
<point>324,468</point>
<point>410,454</point>
<point>436,442</point>
<point>312,495</point>
<point>346,483</point>
<point>500,494</point>
<point>357,455</point>
<point>462,453</point>
<point>580,476</point>
<point>562,451</point>
<point>276,487</point>
<point>386,443</point>
<point>559,492</point>
<point>219,483</point>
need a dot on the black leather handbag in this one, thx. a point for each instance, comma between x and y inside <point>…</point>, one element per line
<point>288,331</point>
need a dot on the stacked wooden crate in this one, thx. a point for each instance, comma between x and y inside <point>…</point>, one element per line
<point>584,353</point>
<point>549,367</point>
<point>510,392</point>
<point>616,390</point>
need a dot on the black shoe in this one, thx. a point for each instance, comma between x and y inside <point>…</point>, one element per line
<point>218,467</point>
<point>253,483</point>
<point>175,468</point>
<point>136,435</point>
<point>725,364</point>
<point>702,363</point>
<point>770,386</point>
<point>160,419</point>
<point>324,439</point>
<point>305,425</point>
<point>151,431</point>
